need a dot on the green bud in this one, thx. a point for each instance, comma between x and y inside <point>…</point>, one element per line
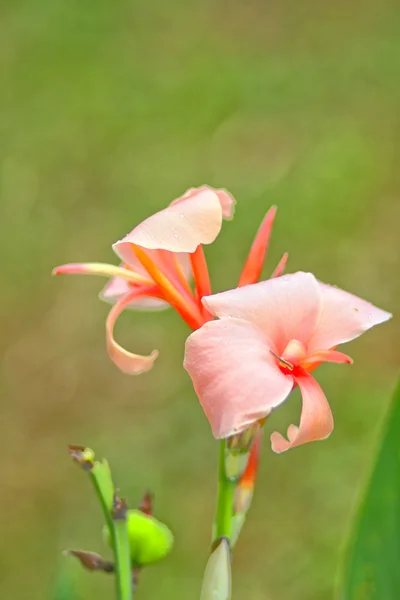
<point>149,539</point>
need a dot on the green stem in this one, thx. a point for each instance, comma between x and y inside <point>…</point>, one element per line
<point>226,492</point>
<point>102,481</point>
<point>123,572</point>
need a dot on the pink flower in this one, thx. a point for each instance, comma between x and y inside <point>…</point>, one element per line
<point>159,259</point>
<point>268,339</point>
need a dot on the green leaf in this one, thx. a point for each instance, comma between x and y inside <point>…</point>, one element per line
<point>372,563</point>
<point>65,587</point>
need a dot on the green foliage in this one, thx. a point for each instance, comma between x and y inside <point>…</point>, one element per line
<point>372,569</point>
<point>65,587</point>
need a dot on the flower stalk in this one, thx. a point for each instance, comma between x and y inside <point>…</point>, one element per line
<point>226,494</point>
<point>115,511</point>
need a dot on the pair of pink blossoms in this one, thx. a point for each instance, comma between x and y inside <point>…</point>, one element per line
<point>268,336</point>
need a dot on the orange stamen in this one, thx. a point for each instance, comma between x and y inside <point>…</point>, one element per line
<point>282,362</point>
<point>183,304</point>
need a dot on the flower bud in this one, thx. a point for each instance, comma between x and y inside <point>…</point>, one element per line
<point>149,539</point>
<point>217,576</point>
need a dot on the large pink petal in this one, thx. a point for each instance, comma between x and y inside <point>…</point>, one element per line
<point>316,421</point>
<point>116,288</point>
<point>180,227</point>
<point>226,201</point>
<point>343,318</point>
<point>234,375</point>
<point>127,362</point>
<point>285,308</point>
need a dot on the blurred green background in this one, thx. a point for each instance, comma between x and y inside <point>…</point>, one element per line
<point>108,111</point>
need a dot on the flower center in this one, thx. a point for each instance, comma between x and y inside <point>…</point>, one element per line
<point>292,355</point>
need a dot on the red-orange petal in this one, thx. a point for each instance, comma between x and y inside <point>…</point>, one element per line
<point>280,268</point>
<point>255,260</point>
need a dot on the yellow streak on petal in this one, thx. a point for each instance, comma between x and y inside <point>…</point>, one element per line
<point>102,269</point>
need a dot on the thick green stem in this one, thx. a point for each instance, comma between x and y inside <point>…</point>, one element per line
<point>226,492</point>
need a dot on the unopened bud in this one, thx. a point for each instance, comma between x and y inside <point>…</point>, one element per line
<point>149,539</point>
<point>217,576</point>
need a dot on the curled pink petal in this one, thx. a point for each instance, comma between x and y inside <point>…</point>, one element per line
<point>127,362</point>
<point>343,318</point>
<point>316,421</point>
<point>181,227</point>
<point>285,308</point>
<point>234,375</point>
<point>116,288</point>
<point>226,201</point>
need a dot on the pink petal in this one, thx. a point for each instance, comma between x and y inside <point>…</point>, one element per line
<point>180,227</point>
<point>226,201</point>
<point>319,356</point>
<point>234,375</point>
<point>343,318</point>
<point>116,288</point>
<point>316,421</point>
<point>127,362</point>
<point>285,308</point>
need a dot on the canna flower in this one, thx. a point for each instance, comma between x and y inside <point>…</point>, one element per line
<point>268,339</point>
<point>161,256</point>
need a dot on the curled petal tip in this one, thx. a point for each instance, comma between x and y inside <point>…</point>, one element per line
<point>68,269</point>
<point>127,362</point>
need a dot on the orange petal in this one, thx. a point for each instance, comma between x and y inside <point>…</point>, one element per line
<point>201,277</point>
<point>178,298</point>
<point>127,362</point>
<point>316,421</point>
<point>255,260</point>
<point>245,487</point>
<point>281,266</point>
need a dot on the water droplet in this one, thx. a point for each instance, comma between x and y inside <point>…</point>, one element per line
<point>176,235</point>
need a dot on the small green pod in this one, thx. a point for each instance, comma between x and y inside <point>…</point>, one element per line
<point>149,539</point>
